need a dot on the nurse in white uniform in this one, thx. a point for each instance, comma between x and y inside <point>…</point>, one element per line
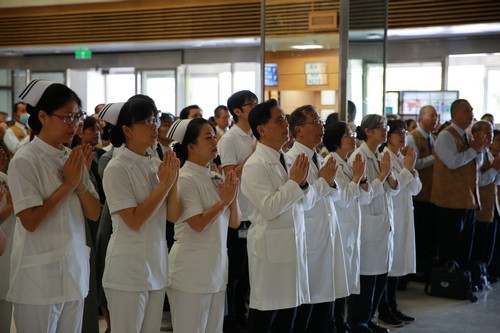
<point>52,195</point>
<point>404,262</point>
<point>141,192</point>
<point>355,190</point>
<point>376,225</point>
<point>198,264</point>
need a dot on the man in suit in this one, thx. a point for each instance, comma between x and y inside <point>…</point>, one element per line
<point>276,241</point>
<point>455,184</point>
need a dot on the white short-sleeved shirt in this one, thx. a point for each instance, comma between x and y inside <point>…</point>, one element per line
<point>51,264</point>
<point>135,260</point>
<point>235,147</point>
<point>198,260</point>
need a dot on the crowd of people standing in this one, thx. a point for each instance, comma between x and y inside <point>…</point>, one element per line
<point>241,228</point>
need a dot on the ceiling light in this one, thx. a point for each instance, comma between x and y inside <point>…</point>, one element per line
<point>374,36</point>
<point>307,47</point>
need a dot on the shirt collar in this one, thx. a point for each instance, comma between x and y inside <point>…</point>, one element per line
<point>458,129</point>
<point>366,150</point>
<point>48,149</point>
<point>422,132</point>
<point>308,151</point>
<point>135,157</point>
<point>188,165</point>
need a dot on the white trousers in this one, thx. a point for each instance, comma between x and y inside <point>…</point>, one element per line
<point>196,313</point>
<point>52,318</point>
<point>135,311</point>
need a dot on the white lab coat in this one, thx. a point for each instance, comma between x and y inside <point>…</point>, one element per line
<point>376,219</point>
<point>349,216</point>
<point>325,257</point>
<point>404,261</point>
<point>276,240</point>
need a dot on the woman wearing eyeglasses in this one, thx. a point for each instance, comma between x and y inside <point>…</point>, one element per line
<point>52,195</point>
<point>340,142</point>
<point>376,225</point>
<point>403,263</point>
<point>141,192</point>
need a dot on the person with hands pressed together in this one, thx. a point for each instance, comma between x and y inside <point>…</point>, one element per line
<point>277,192</point>
<point>340,142</point>
<point>376,225</point>
<point>52,195</point>
<point>455,184</point>
<point>325,258</point>
<point>198,263</point>
<point>404,261</point>
<point>141,192</point>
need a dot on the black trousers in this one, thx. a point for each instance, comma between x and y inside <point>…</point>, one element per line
<point>425,235</point>
<point>314,318</point>
<point>388,302</point>
<point>272,321</point>
<point>339,312</point>
<point>455,235</point>
<point>238,285</point>
<point>362,307</point>
<point>484,241</point>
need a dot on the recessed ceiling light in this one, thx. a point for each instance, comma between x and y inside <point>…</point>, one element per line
<point>374,36</point>
<point>307,47</point>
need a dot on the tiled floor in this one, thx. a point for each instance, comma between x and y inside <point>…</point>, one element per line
<point>440,315</point>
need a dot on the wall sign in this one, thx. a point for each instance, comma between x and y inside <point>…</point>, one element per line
<point>316,73</point>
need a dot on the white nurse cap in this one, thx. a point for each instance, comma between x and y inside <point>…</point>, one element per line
<point>110,112</point>
<point>178,130</point>
<point>34,90</point>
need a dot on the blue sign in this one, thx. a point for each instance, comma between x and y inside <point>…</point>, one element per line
<point>271,75</point>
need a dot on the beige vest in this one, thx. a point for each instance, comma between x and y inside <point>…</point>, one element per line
<point>425,174</point>
<point>456,189</point>
<point>489,198</point>
<point>18,132</point>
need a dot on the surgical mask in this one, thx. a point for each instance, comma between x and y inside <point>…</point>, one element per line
<point>24,118</point>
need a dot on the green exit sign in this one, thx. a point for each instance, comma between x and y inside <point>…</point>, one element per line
<point>83,54</point>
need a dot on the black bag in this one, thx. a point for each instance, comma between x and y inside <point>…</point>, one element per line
<point>479,275</point>
<point>450,281</point>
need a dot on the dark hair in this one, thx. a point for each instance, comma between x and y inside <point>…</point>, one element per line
<point>332,118</point>
<point>237,100</point>
<point>495,132</point>
<point>260,115</point>
<point>14,109</point>
<point>187,110</point>
<point>191,136</point>
<point>456,104</point>
<point>370,121</point>
<point>351,111</point>
<point>89,122</point>
<point>54,97</point>
<point>166,115</point>
<point>132,111</point>
<point>409,121</point>
<point>142,97</point>
<point>219,109</point>
<point>298,117</point>
<point>332,138</point>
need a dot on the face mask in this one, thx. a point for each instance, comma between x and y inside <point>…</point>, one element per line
<point>24,118</point>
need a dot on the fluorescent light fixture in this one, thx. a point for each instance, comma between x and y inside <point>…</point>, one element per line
<point>468,29</point>
<point>374,36</point>
<point>307,47</point>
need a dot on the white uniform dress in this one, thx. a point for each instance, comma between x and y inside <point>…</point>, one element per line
<point>376,219</point>
<point>276,241</point>
<point>349,216</point>
<point>136,261</point>
<point>325,256</point>
<point>198,262</point>
<point>50,265</point>
<point>5,306</point>
<point>404,260</point>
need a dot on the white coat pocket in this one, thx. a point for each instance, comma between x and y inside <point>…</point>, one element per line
<point>126,265</point>
<point>374,228</point>
<point>280,245</point>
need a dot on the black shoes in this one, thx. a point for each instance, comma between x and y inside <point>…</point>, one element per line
<point>390,320</point>
<point>360,329</point>
<point>402,317</point>
<point>376,329</point>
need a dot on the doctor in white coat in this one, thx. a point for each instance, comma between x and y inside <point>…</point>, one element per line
<point>404,262</point>
<point>325,258</point>
<point>376,226</point>
<point>355,190</point>
<point>276,239</point>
